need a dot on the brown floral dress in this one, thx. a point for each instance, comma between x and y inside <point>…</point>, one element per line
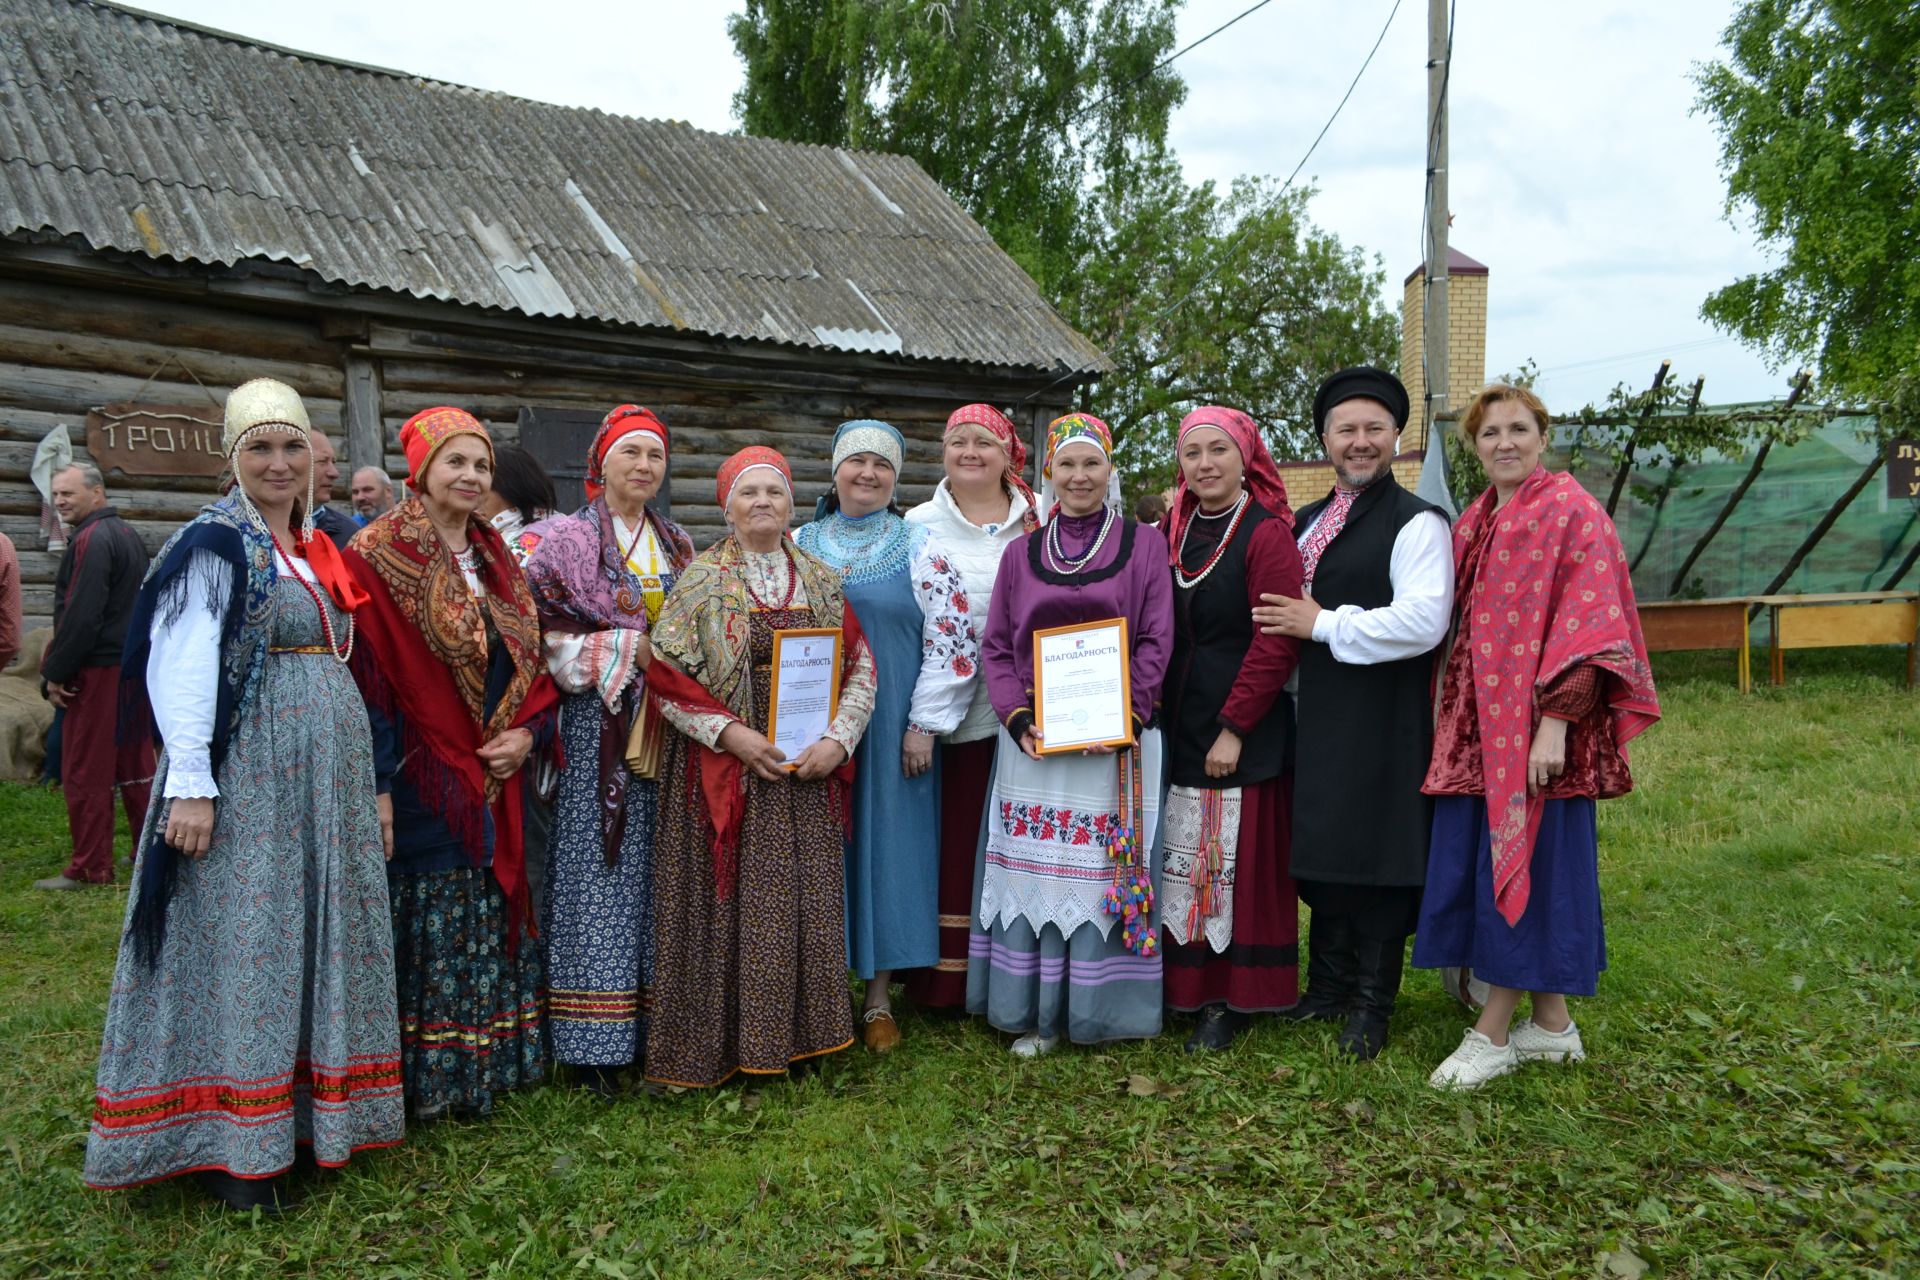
<point>758,981</point>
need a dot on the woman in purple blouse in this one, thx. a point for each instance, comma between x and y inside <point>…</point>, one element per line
<point>1053,951</point>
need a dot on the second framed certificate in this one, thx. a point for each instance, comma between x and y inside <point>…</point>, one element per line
<point>1082,686</point>
<point>806,687</point>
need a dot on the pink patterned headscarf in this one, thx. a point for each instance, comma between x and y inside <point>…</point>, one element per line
<point>1260,477</point>
<point>1001,428</point>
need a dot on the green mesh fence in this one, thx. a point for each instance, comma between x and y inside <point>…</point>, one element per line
<point>1665,511</point>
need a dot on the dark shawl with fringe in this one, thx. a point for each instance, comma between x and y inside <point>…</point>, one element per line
<point>421,658</point>
<point>242,554</point>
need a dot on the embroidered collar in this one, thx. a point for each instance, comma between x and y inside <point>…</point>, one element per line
<point>870,548</point>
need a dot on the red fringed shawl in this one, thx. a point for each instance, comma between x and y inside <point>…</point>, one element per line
<point>702,636</point>
<point>421,654</point>
<point>1552,592</point>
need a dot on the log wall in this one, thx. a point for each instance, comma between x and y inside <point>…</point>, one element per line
<point>69,342</point>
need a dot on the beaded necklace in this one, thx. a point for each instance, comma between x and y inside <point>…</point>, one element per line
<point>1189,579</point>
<point>326,623</point>
<point>1061,564</point>
<point>793,581</point>
<point>653,592</point>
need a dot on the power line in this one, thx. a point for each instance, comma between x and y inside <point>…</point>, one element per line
<point>1166,61</point>
<point>1247,221</point>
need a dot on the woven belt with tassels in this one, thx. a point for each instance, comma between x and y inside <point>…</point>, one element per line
<point>1130,896</point>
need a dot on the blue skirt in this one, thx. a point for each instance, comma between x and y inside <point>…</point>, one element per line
<point>1560,943</point>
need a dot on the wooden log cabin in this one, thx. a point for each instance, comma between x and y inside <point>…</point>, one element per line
<point>182,209</point>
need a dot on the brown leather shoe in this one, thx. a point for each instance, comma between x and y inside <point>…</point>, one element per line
<point>882,1033</point>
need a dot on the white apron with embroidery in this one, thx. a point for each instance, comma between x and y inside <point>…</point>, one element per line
<point>1048,825</point>
<point>1177,887</point>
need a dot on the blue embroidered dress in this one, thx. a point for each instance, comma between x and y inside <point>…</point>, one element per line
<point>912,606</point>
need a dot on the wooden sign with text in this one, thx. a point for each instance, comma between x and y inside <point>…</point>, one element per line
<point>156,439</point>
<point>1903,469</point>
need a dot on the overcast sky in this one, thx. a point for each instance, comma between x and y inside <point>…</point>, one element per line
<point>1579,175</point>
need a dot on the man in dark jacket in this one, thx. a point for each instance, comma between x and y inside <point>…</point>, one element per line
<point>326,474</point>
<point>93,596</point>
<point>1377,602</point>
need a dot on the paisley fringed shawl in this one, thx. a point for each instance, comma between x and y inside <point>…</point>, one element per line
<point>581,583</point>
<point>422,657</point>
<point>1552,593</point>
<point>702,663</point>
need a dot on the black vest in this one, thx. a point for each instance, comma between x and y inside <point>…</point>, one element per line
<point>1212,631</point>
<point>1366,731</point>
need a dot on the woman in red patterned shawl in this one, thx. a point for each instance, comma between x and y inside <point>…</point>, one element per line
<point>450,662</point>
<point>749,874</point>
<point>1545,680</point>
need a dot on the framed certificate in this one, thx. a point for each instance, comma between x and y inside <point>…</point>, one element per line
<point>806,687</point>
<point>1082,686</point>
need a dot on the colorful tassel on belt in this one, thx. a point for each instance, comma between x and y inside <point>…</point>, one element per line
<point>1130,896</point>
<point>1211,863</point>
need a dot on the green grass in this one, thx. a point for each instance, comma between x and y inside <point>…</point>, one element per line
<point>1751,1106</point>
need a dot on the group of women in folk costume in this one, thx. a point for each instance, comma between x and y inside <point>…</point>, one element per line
<point>333,926</point>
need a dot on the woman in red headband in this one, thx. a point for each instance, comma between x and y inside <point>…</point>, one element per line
<point>455,679</point>
<point>749,875</point>
<point>600,577</point>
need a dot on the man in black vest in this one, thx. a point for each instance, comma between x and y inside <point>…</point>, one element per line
<point>1377,602</point>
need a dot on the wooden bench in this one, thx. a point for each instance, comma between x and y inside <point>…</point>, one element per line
<point>1700,624</point>
<point>1844,618</point>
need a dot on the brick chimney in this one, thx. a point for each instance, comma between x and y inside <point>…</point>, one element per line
<point>1466,340</point>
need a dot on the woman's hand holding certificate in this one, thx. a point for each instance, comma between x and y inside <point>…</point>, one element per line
<point>1083,696</point>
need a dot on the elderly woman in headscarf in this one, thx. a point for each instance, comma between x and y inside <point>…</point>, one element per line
<point>454,675</point>
<point>1229,909</point>
<point>1054,952</point>
<point>252,1007</point>
<point>913,611</point>
<point>1545,680</point>
<point>599,577</point>
<point>981,506</point>
<point>749,883</point>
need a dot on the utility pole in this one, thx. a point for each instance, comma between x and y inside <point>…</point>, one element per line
<point>1433,472</point>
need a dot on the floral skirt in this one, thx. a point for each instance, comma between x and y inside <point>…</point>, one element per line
<point>470,1006</point>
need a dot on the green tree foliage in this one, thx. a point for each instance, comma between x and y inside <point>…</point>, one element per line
<point>1047,120</point>
<point>1819,123</point>
<point>1014,106</point>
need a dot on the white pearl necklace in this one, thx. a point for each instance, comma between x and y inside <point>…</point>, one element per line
<point>1061,564</point>
<point>1219,553</point>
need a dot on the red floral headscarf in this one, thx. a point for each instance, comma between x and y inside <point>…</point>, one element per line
<point>1001,428</point>
<point>756,455</point>
<point>422,435</point>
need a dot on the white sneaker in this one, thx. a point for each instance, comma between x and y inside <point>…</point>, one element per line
<point>1033,1044</point>
<point>1475,1062</point>
<point>1536,1044</point>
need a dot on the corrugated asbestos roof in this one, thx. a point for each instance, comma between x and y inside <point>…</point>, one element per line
<point>150,136</point>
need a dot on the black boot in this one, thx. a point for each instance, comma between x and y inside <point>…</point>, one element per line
<point>1330,977</point>
<point>602,1082</point>
<point>1217,1028</point>
<point>244,1195</point>
<point>1376,986</point>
